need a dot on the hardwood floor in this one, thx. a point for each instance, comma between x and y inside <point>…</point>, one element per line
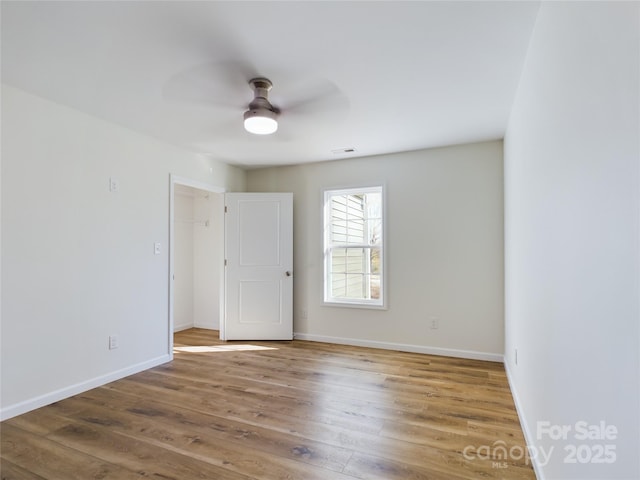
<point>278,410</point>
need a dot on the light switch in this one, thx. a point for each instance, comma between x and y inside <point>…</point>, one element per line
<point>156,248</point>
<point>114,184</point>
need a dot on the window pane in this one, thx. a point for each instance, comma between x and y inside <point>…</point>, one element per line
<point>348,219</point>
<point>339,260</point>
<point>374,258</point>
<point>373,202</point>
<point>338,227</point>
<point>339,234</point>
<point>355,286</point>
<point>356,232</point>
<point>375,286</point>
<point>356,260</point>
<point>355,273</point>
<point>374,231</point>
<point>349,260</point>
<point>338,285</point>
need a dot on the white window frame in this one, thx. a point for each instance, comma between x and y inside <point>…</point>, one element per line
<point>329,300</point>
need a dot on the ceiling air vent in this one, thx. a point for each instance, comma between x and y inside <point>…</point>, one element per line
<point>339,151</point>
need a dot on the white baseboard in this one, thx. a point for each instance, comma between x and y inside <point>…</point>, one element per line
<point>446,352</point>
<point>528,435</point>
<point>179,328</point>
<point>57,395</point>
<point>207,326</point>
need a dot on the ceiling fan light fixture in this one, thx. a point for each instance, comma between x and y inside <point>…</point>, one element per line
<point>260,121</point>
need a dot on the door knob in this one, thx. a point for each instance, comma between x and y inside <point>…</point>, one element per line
<point>288,273</point>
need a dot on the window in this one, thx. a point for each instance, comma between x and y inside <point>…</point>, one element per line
<point>353,247</point>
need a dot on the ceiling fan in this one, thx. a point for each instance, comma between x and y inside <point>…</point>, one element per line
<point>304,102</point>
<point>262,117</point>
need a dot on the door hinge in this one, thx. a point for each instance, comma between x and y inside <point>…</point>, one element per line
<point>225,209</point>
<point>225,262</point>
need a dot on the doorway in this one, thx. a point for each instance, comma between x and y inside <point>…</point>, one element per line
<point>196,256</point>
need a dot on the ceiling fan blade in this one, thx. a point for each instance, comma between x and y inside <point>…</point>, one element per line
<point>216,85</point>
<point>312,98</point>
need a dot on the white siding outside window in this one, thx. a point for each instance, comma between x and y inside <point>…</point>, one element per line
<point>354,247</point>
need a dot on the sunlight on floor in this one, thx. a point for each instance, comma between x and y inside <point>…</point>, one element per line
<point>219,348</point>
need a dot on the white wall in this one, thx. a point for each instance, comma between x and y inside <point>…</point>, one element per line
<point>183,263</point>
<point>208,267</point>
<point>572,210</point>
<point>445,255</point>
<point>77,260</point>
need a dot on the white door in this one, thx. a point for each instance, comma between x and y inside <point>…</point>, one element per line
<point>259,267</point>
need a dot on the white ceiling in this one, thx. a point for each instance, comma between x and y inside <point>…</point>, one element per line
<point>379,77</point>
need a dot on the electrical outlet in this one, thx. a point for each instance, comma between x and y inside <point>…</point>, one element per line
<point>113,342</point>
<point>433,323</point>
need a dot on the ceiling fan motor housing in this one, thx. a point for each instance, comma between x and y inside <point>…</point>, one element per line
<point>261,118</point>
<point>261,87</point>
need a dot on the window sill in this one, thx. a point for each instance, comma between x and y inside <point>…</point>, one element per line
<point>367,306</point>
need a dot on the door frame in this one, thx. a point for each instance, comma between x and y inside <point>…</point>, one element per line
<point>188,182</point>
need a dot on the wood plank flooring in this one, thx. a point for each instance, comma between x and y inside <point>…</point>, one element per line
<point>278,410</point>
